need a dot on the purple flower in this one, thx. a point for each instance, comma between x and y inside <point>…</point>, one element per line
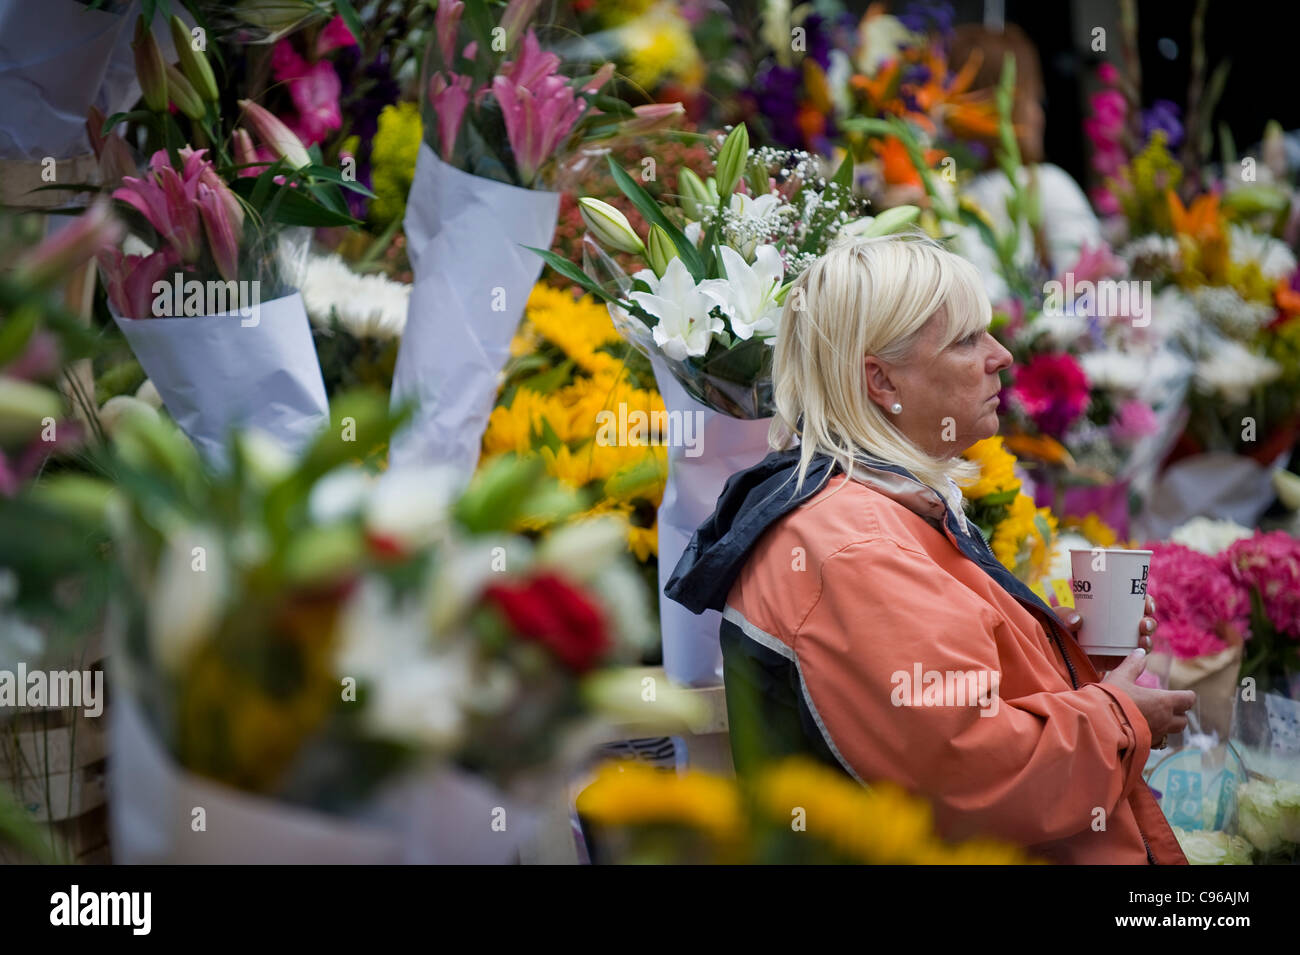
<point>1163,115</point>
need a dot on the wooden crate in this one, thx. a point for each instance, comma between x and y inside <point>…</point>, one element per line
<point>53,761</point>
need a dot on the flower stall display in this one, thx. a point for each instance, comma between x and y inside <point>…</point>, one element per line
<point>797,812</point>
<point>500,117</point>
<point>336,665</point>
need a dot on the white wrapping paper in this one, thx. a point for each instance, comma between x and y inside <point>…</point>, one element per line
<point>218,371</point>
<point>1219,485</point>
<point>465,238</point>
<point>692,652</point>
<point>441,816</point>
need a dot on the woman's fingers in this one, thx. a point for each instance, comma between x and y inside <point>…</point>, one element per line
<point>1150,606</point>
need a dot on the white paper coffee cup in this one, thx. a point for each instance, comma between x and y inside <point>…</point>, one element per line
<point>1110,589</point>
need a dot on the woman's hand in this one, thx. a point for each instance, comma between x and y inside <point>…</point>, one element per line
<point>1163,709</point>
<point>1146,627</point>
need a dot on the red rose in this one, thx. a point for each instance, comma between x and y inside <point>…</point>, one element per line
<point>556,615</point>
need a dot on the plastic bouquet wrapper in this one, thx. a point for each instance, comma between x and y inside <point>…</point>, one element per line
<point>161,814</point>
<point>500,118</point>
<point>205,286</point>
<point>340,665</point>
<point>1266,731</point>
<point>217,372</point>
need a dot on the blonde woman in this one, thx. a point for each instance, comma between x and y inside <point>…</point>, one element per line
<point>866,621</point>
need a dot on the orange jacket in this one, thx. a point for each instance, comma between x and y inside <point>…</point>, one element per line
<point>867,595</point>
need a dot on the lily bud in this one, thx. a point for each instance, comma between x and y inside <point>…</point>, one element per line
<point>659,250</point>
<point>609,226</point>
<point>149,67</point>
<point>694,195</point>
<point>245,154</point>
<point>223,232</point>
<point>652,117</point>
<point>889,221</point>
<point>276,136</point>
<point>732,158</point>
<point>183,94</point>
<point>194,63</point>
<point>77,242</point>
<point>23,407</point>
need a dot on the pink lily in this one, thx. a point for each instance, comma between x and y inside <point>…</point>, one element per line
<point>538,106</point>
<point>223,232</point>
<point>130,279</point>
<point>446,22</point>
<point>449,100</point>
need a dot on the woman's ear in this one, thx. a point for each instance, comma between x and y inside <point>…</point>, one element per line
<point>880,388</point>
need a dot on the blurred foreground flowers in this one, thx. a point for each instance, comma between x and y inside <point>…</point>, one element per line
<point>797,811</point>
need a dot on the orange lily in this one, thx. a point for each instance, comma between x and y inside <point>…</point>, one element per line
<point>1201,222</point>
<point>896,164</point>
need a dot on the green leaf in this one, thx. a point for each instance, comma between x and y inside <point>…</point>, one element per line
<point>572,272</point>
<point>333,175</point>
<point>16,332</point>
<point>650,210</point>
<point>844,175</point>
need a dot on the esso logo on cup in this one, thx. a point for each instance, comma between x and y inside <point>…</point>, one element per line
<point>1083,586</point>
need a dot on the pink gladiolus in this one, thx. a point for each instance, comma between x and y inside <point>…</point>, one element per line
<point>130,279</point>
<point>335,35</point>
<point>446,22</point>
<point>316,96</point>
<point>77,242</point>
<point>449,100</point>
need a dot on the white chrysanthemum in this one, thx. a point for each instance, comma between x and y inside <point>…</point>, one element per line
<point>1233,371</point>
<point>1273,256</point>
<point>367,306</point>
<point>1212,847</point>
<point>1207,535</point>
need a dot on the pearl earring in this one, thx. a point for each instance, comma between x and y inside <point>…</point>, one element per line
<point>895,407</point>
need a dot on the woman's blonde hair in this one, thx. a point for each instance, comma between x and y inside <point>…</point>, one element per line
<point>867,296</point>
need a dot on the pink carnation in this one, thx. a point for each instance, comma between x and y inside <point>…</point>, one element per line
<point>1200,609</point>
<point>1052,390</point>
<point>1270,564</point>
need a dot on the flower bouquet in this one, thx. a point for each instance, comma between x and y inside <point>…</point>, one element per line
<point>209,253</point>
<point>705,310</point>
<point>499,118</point>
<point>315,663</point>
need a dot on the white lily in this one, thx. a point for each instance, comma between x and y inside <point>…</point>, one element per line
<point>748,294</point>
<point>685,327</point>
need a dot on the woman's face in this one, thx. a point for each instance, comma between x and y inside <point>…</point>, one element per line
<point>949,395</point>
